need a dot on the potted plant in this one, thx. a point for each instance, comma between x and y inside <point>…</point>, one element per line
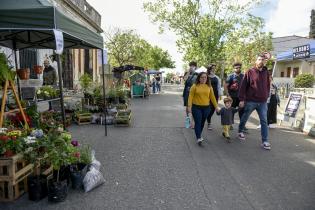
<point>38,69</point>
<point>85,82</point>
<point>5,71</point>
<point>78,170</point>
<point>61,153</point>
<point>23,74</point>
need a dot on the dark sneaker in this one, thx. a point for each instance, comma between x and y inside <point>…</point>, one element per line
<point>266,145</point>
<point>228,140</point>
<point>241,136</point>
<point>223,134</point>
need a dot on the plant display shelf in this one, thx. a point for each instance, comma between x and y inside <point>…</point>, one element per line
<point>83,118</point>
<point>13,177</point>
<point>123,118</point>
<point>10,84</point>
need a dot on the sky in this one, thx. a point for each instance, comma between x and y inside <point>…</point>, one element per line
<point>282,17</point>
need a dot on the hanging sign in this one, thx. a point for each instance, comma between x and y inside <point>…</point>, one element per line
<point>301,52</point>
<point>59,42</point>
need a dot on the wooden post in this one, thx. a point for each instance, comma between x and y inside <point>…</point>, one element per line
<point>4,98</point>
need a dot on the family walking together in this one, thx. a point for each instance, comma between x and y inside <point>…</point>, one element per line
<point>245,93</point>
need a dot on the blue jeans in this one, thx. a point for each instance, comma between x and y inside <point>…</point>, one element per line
<point>261,109</point>
<point>200,114</point>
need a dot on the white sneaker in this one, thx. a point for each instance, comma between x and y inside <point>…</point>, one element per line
<point>199,141</point>
<point>259,127</point>
<point>266,145</point>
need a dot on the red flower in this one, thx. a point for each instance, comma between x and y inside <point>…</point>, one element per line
<point>77,154</point>
<point>4,138</point>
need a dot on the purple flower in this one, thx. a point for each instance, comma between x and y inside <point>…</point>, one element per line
<point>75,143</point>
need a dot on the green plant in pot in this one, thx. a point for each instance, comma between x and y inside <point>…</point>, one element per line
<point>85,82</point>
<point>6,72</point>
<point>122,95</point>
<point>112,96</point>
<point>61,153</point>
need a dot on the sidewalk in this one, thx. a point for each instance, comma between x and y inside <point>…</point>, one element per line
<point>156,164</point>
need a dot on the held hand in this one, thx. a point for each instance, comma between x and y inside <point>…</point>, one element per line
<point>188,109</point>
<point>217,109</point>
<point>241,105</point>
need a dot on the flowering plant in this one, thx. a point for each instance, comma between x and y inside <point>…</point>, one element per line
<point>46,92</point>
<point>11,143</point>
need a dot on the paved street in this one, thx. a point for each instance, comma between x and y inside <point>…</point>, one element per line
<point>156,164</point>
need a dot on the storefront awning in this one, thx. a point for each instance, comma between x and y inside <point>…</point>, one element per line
<point>30,24</point>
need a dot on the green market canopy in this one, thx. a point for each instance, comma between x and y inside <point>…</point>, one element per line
<point>30,24</point>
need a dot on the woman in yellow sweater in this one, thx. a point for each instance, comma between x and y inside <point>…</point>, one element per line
<point>199,99</point>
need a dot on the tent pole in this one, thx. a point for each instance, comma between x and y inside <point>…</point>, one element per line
<point>104,98</point>
<point>61,92</point>
<point>16,68</point>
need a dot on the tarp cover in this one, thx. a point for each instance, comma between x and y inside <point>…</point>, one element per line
<point>30,24</point>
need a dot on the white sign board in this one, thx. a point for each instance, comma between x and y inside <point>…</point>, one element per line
<point>293,104</point>
<point>59,41</point>
<point>309,115</point>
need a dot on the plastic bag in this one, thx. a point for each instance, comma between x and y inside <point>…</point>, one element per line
<point>187,122</point>
<point>92,179</point>
<point>95,163</point>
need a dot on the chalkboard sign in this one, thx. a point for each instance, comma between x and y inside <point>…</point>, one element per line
<point>293,104</point>
<point>28,93</point>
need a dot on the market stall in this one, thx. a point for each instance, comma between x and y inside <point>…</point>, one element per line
<point>30,153</point>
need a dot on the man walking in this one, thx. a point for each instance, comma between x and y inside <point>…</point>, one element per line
<point>214,80</point>
<point>232,85</point>
<point>253,95</point>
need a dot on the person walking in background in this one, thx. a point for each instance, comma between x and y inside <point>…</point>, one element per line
<point>50,74</point>
<point>191,79</point>
<point>253,94</point>
<point>214,80</point>
<point>153,85</point>
<point>158,83</point>
<point>200,96</point>
<point>232,84</point>
<point>227,113</point>
<point>272,103</point>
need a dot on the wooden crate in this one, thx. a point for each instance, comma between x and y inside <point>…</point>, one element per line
<point>123,118</point>
<point>13,177</point>
<point>83,119</point>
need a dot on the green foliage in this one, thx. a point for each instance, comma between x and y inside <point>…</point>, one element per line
<point>33,114</point>
<point>127,47</point>
<point>5,70</point>
<point>304,81</point>
<point>60,151</point>
<point>212,31</point>
<point>47,91</point>
<point>85,82</point>
<point>85,154</point>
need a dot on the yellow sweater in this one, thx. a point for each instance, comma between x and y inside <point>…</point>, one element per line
<point>201,95</point>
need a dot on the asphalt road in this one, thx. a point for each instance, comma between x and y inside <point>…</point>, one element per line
<point>156,164</point>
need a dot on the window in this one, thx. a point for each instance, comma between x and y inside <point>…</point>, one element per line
<point>289,72</point>
<point>282,74</point>
<point>295,72</point>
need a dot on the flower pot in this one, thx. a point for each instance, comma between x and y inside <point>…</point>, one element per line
<point>76,180</point>
<point>23,74</point>
<point>57,191</point>
<point>38,69</point>
<point>37,187</point>
<point>8,153</point>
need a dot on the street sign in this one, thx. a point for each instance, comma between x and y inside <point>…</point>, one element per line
<point>301,52</point>
<point>267,55</point>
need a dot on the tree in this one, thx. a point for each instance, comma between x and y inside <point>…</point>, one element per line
<point>122,46</point>
<point>127,47</point>
<point>205,27</point>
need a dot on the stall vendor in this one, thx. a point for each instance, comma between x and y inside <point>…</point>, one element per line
<point>50,74</point>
